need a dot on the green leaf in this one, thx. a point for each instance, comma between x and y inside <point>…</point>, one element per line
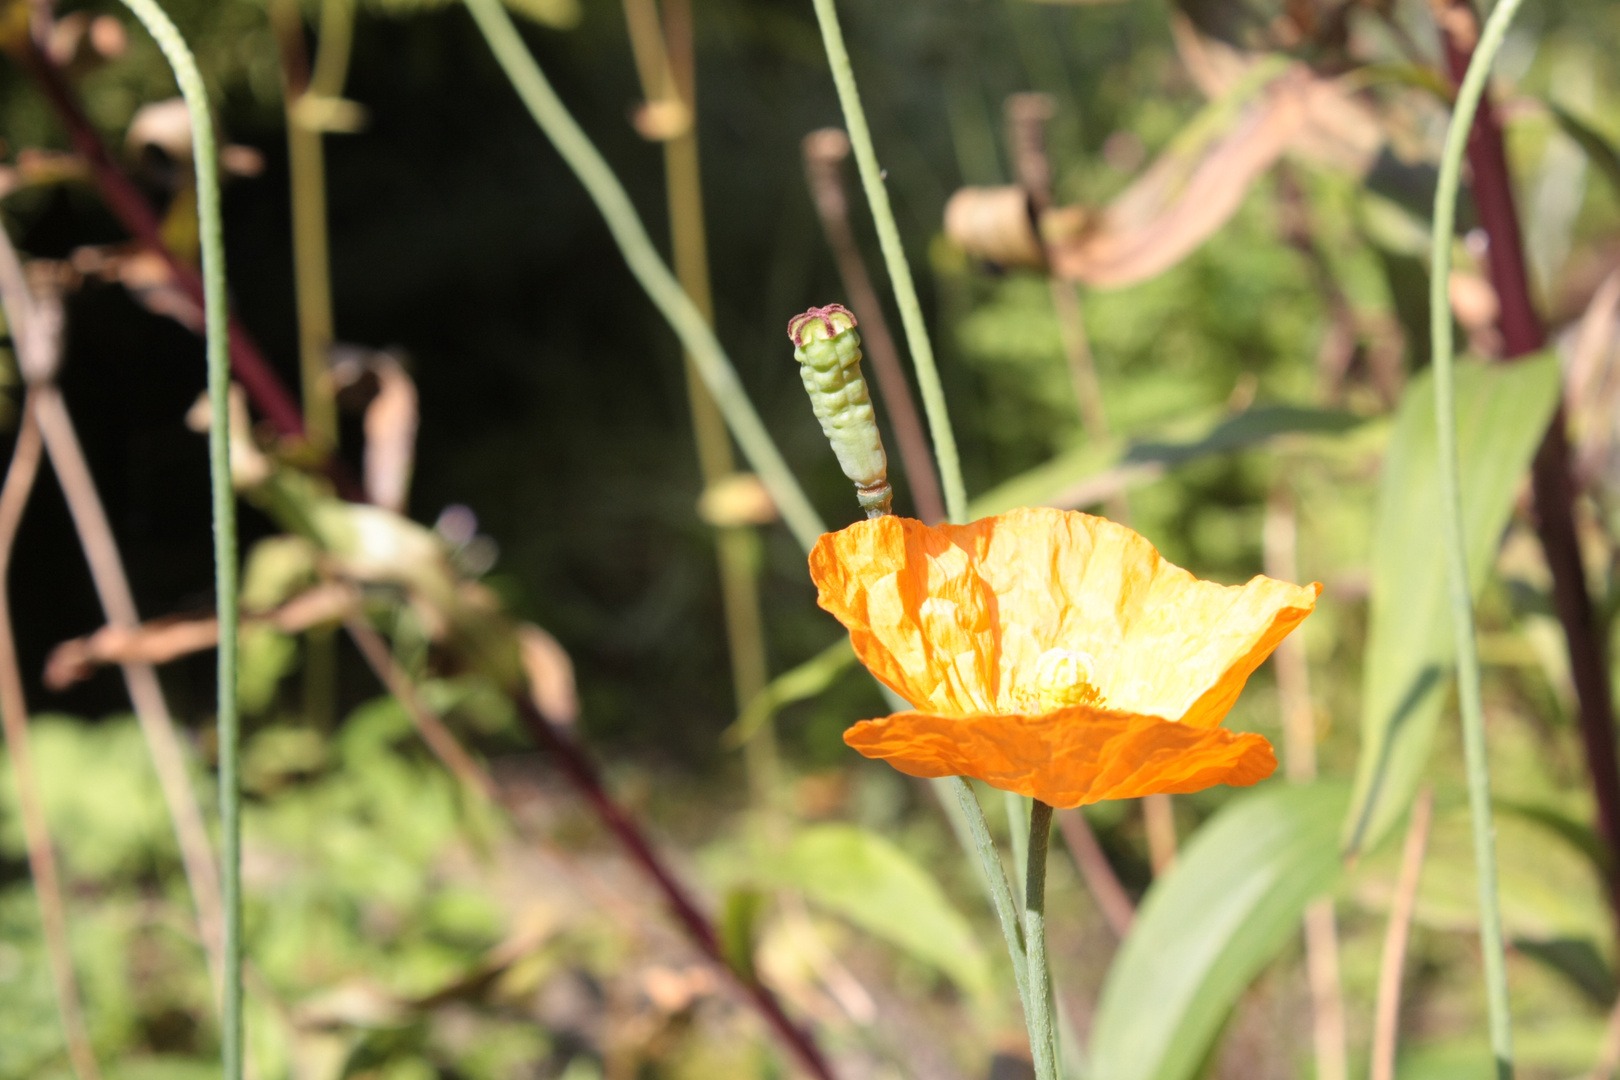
<point>805,681</point>
<point>1502,413</point>
<point>1207,928</point>
<point>1067,479</point>
<point>739,929</point>
<point>869,881</point>
<point>1599,150</point>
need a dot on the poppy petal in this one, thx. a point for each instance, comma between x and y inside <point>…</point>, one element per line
<point>1069,757</point>
<point>957,619</point>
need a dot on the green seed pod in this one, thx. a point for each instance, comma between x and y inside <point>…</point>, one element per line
<point>829,354</point>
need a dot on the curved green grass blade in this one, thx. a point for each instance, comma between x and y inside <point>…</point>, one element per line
<point>1207,928</point>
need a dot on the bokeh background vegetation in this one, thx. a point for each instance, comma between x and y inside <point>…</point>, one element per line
<point>398,928</point>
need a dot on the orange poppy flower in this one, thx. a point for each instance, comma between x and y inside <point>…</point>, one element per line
<point>1053,654</point>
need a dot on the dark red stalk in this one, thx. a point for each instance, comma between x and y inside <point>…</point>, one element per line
<point>1551,481</point>
<point>132,210</point>
<point>582,773</point>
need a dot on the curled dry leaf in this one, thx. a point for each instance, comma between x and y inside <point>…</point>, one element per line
<point>1198,184</point>
<point>550,674</point>
<point>1263,110</point>
<point>163,640</point>
<point>995,224</point>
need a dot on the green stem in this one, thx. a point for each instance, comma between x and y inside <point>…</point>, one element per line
<point>707,355</point>
<point>894,258</point>
<point>1038,1000</point>
<point>995,878</point>
<point>211,232</point>
<point>1468,679</point>
<point>1018,812</point>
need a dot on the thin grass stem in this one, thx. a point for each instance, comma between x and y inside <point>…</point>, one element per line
<point>19,483</point>
<point>1104,884</point>
<point>648,267</point>
<point>1038,1002</point>
<point>667,67</point>
<point>1387,1010</point>
<point>1468,677</point>
<point>216,323</point>
<point>140,679</point>
<point>894,258</point>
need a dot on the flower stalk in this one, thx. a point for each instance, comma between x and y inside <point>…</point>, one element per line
<point>216,323</point>
<point>1468,672</point>
<point>1038,1002</point>
<point>894,258</point>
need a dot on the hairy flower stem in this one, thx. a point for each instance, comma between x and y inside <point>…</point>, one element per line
<point>894,258</point>
<point>1468,677</point>
<point>661,286</point>
<point>995,878</point>
<point>216,322</point>
<point>1038,1001</point>
<point>950,471</point>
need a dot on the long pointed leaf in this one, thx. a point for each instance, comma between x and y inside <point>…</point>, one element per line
<point>1207,929</point>
<point>1502,413</point>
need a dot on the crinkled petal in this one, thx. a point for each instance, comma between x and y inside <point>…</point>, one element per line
<point>1069,757</point>
<point>956,618</point>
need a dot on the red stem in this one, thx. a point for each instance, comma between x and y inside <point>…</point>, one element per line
<point>1551,483</point>
<point>130,207</point>
<point>579,769</point>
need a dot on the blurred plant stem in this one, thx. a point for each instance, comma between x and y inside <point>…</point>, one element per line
<point>140,679</point>
<point>306,91</point>
<point>1469,95</point>
<point>894,258</point>
<point>824,154</point>
<point>216,323</point>
<point>19,483</point>
<point>1038,1006</point>
<point>445,746</point>
<point>973,833</point>
<point>667,65</point>
<point>1027,115</point>
<point>1387,1008</point>
<point>1103,883</point>
<point>308,95</point>
<point>1552,485</point>
<point>661,286</point>
<point>1280,541</point>
<point>36,325</point>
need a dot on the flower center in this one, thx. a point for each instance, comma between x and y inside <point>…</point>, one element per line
<point>1063,677</point>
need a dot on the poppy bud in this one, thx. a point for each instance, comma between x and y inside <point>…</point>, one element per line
<point>829,353</point>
